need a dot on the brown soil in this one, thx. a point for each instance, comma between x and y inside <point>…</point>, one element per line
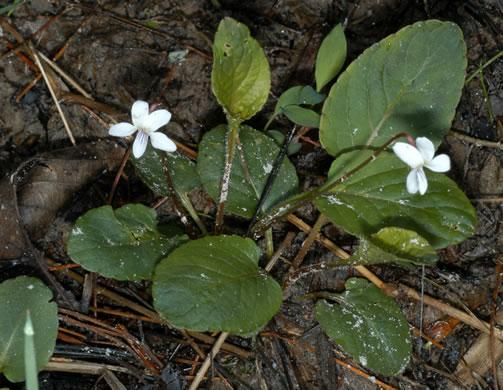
<point>118,62</point>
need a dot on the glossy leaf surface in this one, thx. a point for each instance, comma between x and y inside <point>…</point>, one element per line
<point>240,78</point>
<point>214,284</point>
<point>259,153</point>
<point>331,57</point>
<point>17,296</point>
<point>122,244</point>
<point>369,326</point>
<point>376,197</point>
<point>392,244</point>
<point>410,82</point>
<point>182,170</point>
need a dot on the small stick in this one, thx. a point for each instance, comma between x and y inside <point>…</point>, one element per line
<point>476,141</point>
<point>306,245</point>
<point>393,291</point>
<point>138,25</point>
<point>207,361</point>
<point>53,94</point>
<point>364,374</point>
<point>286,241</point>
<point>492,352</point>
<point>71,81</point>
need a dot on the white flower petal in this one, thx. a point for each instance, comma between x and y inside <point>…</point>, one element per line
<point>156,119</point>
<point>162,142</point>
<point>441,163</point>
<point>122,129</point>
<point>422,181</point>
<point>408,154</point>
<point>412,183</point>
<point>426,148</point>
<point>139,112</point>
<point>140,144</point>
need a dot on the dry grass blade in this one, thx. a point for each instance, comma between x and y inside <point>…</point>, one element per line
<point>53,93</point>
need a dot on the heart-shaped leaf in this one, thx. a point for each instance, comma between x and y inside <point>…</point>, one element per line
<point>369,326</point>
<point>404,83</point>
<point>331,57</point>
<point>151,170</point>
<point>214,284</point>
<point>17,296</point>
<point>123,244</point>
<point>240,78</point>
<point>376,197</point>
<point>259,153</point>
<point>392,244</point>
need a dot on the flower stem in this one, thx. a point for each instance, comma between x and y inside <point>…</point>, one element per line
<point>294,203</point>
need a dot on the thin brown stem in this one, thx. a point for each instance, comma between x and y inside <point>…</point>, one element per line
<point>290,205</point>
<point>118,175</point>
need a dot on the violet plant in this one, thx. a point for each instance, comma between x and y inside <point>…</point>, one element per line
<point>409,83</point>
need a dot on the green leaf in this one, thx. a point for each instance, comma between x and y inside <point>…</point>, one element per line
<point>409,82</point>
<point>279,139</point>
<point>331,57</point>
<point>214,284</point>
<point>151,170</point>
<point>298,95</point>
<point>17,296</point>
<point>376,197</point>
<point>302,116</point>
<point>392,244</point>
<point>123,244</point>
<point>260,153</point>
<point>369,326</point>
<point>240,78</point>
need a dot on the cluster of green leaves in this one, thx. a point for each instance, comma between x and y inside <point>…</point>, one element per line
<point>402,84</point>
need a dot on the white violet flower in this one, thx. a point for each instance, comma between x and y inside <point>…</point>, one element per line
<point>147,126</point>
<point>419,157</point>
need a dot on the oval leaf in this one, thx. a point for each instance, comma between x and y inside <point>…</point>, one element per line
<point>17,296</point>
<point>151,170</point>
<point>214,284</point>
<point>123,244</point>
<point>298,95</point>
<point>376,197</point>
<point>260,153</point>
<point>392,244</point>
<point>369,326</point>
<point>302,116</point>
<point>402,84</point>
<point>331,57</point>
<point>240,78</point>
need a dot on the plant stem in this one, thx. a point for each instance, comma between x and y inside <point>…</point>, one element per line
<point>192,212</point>
<point>272,176</point>
<point>294,203</point>
<point>269,122</point>
<point>232,134</point>
<point>269,244</point>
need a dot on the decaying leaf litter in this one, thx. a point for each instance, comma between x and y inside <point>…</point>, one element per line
<point>117,62</point>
